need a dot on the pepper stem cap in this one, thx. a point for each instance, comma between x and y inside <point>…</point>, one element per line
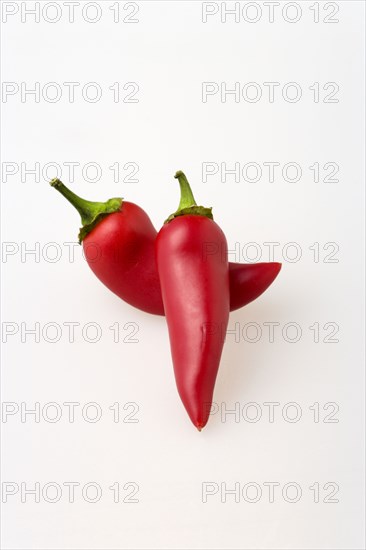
<point>91,213</point>
<point>187,204</point>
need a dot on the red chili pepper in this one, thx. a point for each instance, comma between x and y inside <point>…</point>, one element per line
<point>118,240</point>
<point>196,297</point>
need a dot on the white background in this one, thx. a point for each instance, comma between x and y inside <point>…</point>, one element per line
<point>170,52</point>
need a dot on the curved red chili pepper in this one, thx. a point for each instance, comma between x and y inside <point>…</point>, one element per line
<point>118,240</point>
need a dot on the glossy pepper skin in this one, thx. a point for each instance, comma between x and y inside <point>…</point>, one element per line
<point>118,238</point>
<point>120,251</point>
<point>196,297</point>
<point>249,281</point>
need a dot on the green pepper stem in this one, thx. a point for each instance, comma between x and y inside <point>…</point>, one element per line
<point>88,210</point>
<point>187,204</point>
<point>186,195</point>
<point>91,213</point>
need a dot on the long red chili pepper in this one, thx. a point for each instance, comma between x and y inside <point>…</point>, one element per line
<point>118,240</point>
<point>196,297</point>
